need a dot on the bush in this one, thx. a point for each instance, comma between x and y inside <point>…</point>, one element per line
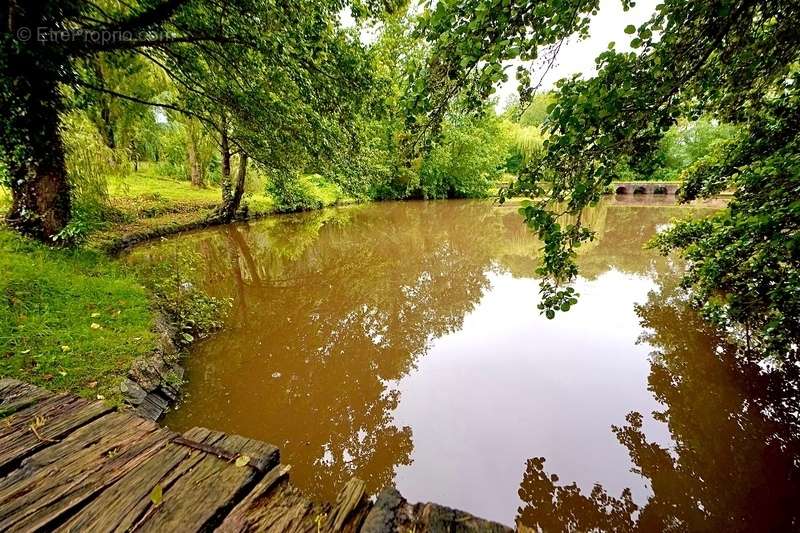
<point>293,192</point>
<point>468,160</point>
<point>190,311</point>
<point>527,145</point>
<point>689,141</point>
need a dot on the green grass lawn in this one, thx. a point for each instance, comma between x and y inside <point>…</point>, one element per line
<point>147,182</point>
<point>69,319</point>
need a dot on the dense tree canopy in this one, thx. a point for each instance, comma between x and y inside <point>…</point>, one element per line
<point>287,74</point>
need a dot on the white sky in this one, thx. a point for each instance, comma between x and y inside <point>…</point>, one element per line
<point>578,56</point>
<point>575,56</point>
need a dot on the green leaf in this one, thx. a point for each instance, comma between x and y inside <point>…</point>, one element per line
<point>157,495</point>
<point>630,29</point>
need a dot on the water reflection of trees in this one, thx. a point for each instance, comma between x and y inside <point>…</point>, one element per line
<point>621,233</point>
<point>340,303</point>
<point>734,464</point>
<point>367,300</point>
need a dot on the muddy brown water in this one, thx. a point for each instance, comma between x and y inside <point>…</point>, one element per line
<point>401,343</point>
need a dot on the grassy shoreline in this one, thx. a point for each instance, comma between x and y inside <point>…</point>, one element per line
<point>71,319</point>
<point>75,319</point>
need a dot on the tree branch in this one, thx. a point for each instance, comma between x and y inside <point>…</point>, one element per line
<point>137,100</point>
<point>145,19</point>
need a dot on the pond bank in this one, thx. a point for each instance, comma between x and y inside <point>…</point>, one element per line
<point>76,320</point>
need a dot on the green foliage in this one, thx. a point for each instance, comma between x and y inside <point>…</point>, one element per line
<point>301,192</point>
<point>170,156</point>
<point>535,112</point>
<point>467,160</point>
<point>745,262</point>
<point>69,319</point>
<point>689,141</point>
<point>742,261</point>
<point>527,146</point>
<point>190,311</point>
<point>89,163</point>
<point>470,45</point>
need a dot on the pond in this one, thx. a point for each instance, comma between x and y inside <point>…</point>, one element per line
<point>401,343</point>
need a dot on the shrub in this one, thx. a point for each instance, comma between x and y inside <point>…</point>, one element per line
<point>468,160</point>
<point>295,192</point>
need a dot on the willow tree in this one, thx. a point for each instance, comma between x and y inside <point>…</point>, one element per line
<point>267,60</point>
<point>737,60</point>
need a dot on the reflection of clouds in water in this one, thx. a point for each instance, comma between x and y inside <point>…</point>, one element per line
<point>511,384</point>
<point>398,328</point>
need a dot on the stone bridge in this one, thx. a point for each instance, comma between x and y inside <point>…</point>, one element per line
<point>645,187</point>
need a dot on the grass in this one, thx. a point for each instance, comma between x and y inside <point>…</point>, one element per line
<point>146,182</point>
<point>76,319</point>
<point>70,319</point>
<point>145,202</point>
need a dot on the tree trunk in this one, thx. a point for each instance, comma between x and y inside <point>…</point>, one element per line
<point>194,145</point>
<point>107,127</point>
<point>194,165</point>
<point>225,151</point>
<point>30,144</point>
<point>238,190</point>
<point>230,205</point>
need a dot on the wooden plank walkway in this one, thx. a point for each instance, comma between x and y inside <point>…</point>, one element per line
<point>69,464</point>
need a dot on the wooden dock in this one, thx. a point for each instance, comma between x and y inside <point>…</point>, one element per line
<point>70,464</point>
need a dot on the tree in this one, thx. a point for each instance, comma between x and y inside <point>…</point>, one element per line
<point>270,62</point>
<point>198,150</point>
<point>232,191</point>
<point>735,60</point>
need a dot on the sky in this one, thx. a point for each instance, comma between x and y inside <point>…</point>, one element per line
<point>575,56</point>
<point>578,56</point>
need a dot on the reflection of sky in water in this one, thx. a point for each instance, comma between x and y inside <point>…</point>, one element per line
<point>511,385</point>
<point>393,343</point>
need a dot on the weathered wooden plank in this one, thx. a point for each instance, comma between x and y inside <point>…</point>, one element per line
<point>127,503</point>
<point>10,386</point>
<point>274,505</point>
<point>16,395</point>
<point>350,509</point>
<point>42,424</point>
<point>52,483</point>
<point>121,506</point>
<point>196,498</point>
